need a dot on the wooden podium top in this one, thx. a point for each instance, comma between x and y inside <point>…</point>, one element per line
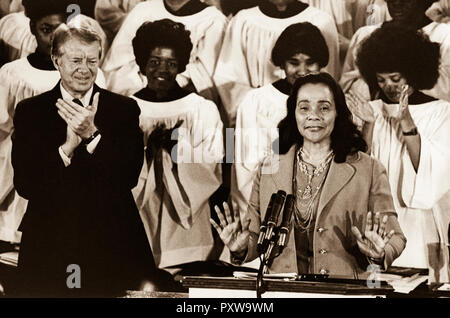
<point>200,286</point>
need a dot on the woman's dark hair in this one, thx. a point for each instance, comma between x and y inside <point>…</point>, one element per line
<point>396,48</point>
<point>301,38</point>
<point>345,138</point>
<point>162,33</point>
<point>37,9</point>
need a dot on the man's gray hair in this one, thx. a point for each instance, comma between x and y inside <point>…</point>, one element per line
<point>64,33</point>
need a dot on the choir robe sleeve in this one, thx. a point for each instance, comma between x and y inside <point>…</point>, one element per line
<point>204,57</point>
<point>121,71</point>
<point>232,75</point>
<point>440,33</point>
<point>429,187</point>
<point>253,142</point>
<point>197,174</point>
<point>351,78</point>
<point>111,13</point>
<point>16,39</point>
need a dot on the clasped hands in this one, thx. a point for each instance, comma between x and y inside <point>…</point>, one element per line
<point>161,138</point>
<point>80,122</point>
<point>235,234</point>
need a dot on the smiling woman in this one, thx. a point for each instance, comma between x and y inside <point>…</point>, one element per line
<point>338,192</point>
<point>173,190</point>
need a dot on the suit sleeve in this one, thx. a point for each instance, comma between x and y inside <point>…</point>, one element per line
<point>38,167</point>
<point>255,217</point>
<point>381,201</point>
<point>119,155</point>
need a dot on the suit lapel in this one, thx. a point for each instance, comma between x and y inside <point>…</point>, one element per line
<point>55,94</point>
<point>338,176</point>
<point>282,177</point>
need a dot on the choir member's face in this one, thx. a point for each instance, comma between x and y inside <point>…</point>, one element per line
<point>78,65</point>
<point>281,2</point>
<point>161,69</point>
<point>42,30</point>
<point>315,113</point>
<point>392,84</point>
<point>299,65</point>
<point>405,10</point>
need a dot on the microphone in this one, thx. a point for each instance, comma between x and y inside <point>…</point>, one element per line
<point>263,227</point>
<point>285,223</point>
<point>273,219</point>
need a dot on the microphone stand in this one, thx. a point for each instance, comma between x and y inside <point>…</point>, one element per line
<point>264,264</point>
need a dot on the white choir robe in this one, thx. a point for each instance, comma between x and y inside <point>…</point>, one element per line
<point>422,198</point>
<point>439,11</point>
<point>18,80</point>
<point>437,32</point>
<point>111,13</point>
<point>340,11</point>
<point>207,28</point>
<point>17,41</point>
<point>257,119</point>
<point>177,225</point>
<point>245,58</point>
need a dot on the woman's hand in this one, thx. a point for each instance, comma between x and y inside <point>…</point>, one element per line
<point>375,238</point>
<point>359,106</point>
<point>233,233</point>
<point>403,114</point>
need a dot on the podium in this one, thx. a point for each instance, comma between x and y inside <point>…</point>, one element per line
<point>230,287</point>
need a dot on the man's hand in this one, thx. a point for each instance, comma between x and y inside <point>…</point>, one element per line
<point>72,142</point>
<point>79,119</point>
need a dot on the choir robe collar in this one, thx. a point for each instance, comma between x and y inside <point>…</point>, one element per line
<point>150,95</point>
<point>40,61</point>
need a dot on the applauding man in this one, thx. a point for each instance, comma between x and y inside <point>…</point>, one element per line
<point>77,153</point>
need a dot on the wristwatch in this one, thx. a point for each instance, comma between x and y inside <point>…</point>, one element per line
<point>412,132</point>
<point>87,141</point>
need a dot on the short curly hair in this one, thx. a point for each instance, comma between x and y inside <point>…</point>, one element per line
<point>303,38</point>
<point>396,48</point>
<point>162,33</point>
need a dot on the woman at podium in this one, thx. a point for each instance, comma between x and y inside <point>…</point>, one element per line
<point>343,216</point>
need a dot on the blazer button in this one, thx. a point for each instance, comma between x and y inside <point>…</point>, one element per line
<point>322,251</point>
<point>320,230</point>
<point>323,271</point>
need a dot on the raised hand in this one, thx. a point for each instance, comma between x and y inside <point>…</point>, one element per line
<point>234,234</point>
<point>359,106</point>
<point>375,238</point>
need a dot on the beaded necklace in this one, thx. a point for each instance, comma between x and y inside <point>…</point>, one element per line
<point>303,212</point>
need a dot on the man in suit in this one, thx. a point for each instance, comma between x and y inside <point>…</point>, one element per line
<point>77,153</point>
